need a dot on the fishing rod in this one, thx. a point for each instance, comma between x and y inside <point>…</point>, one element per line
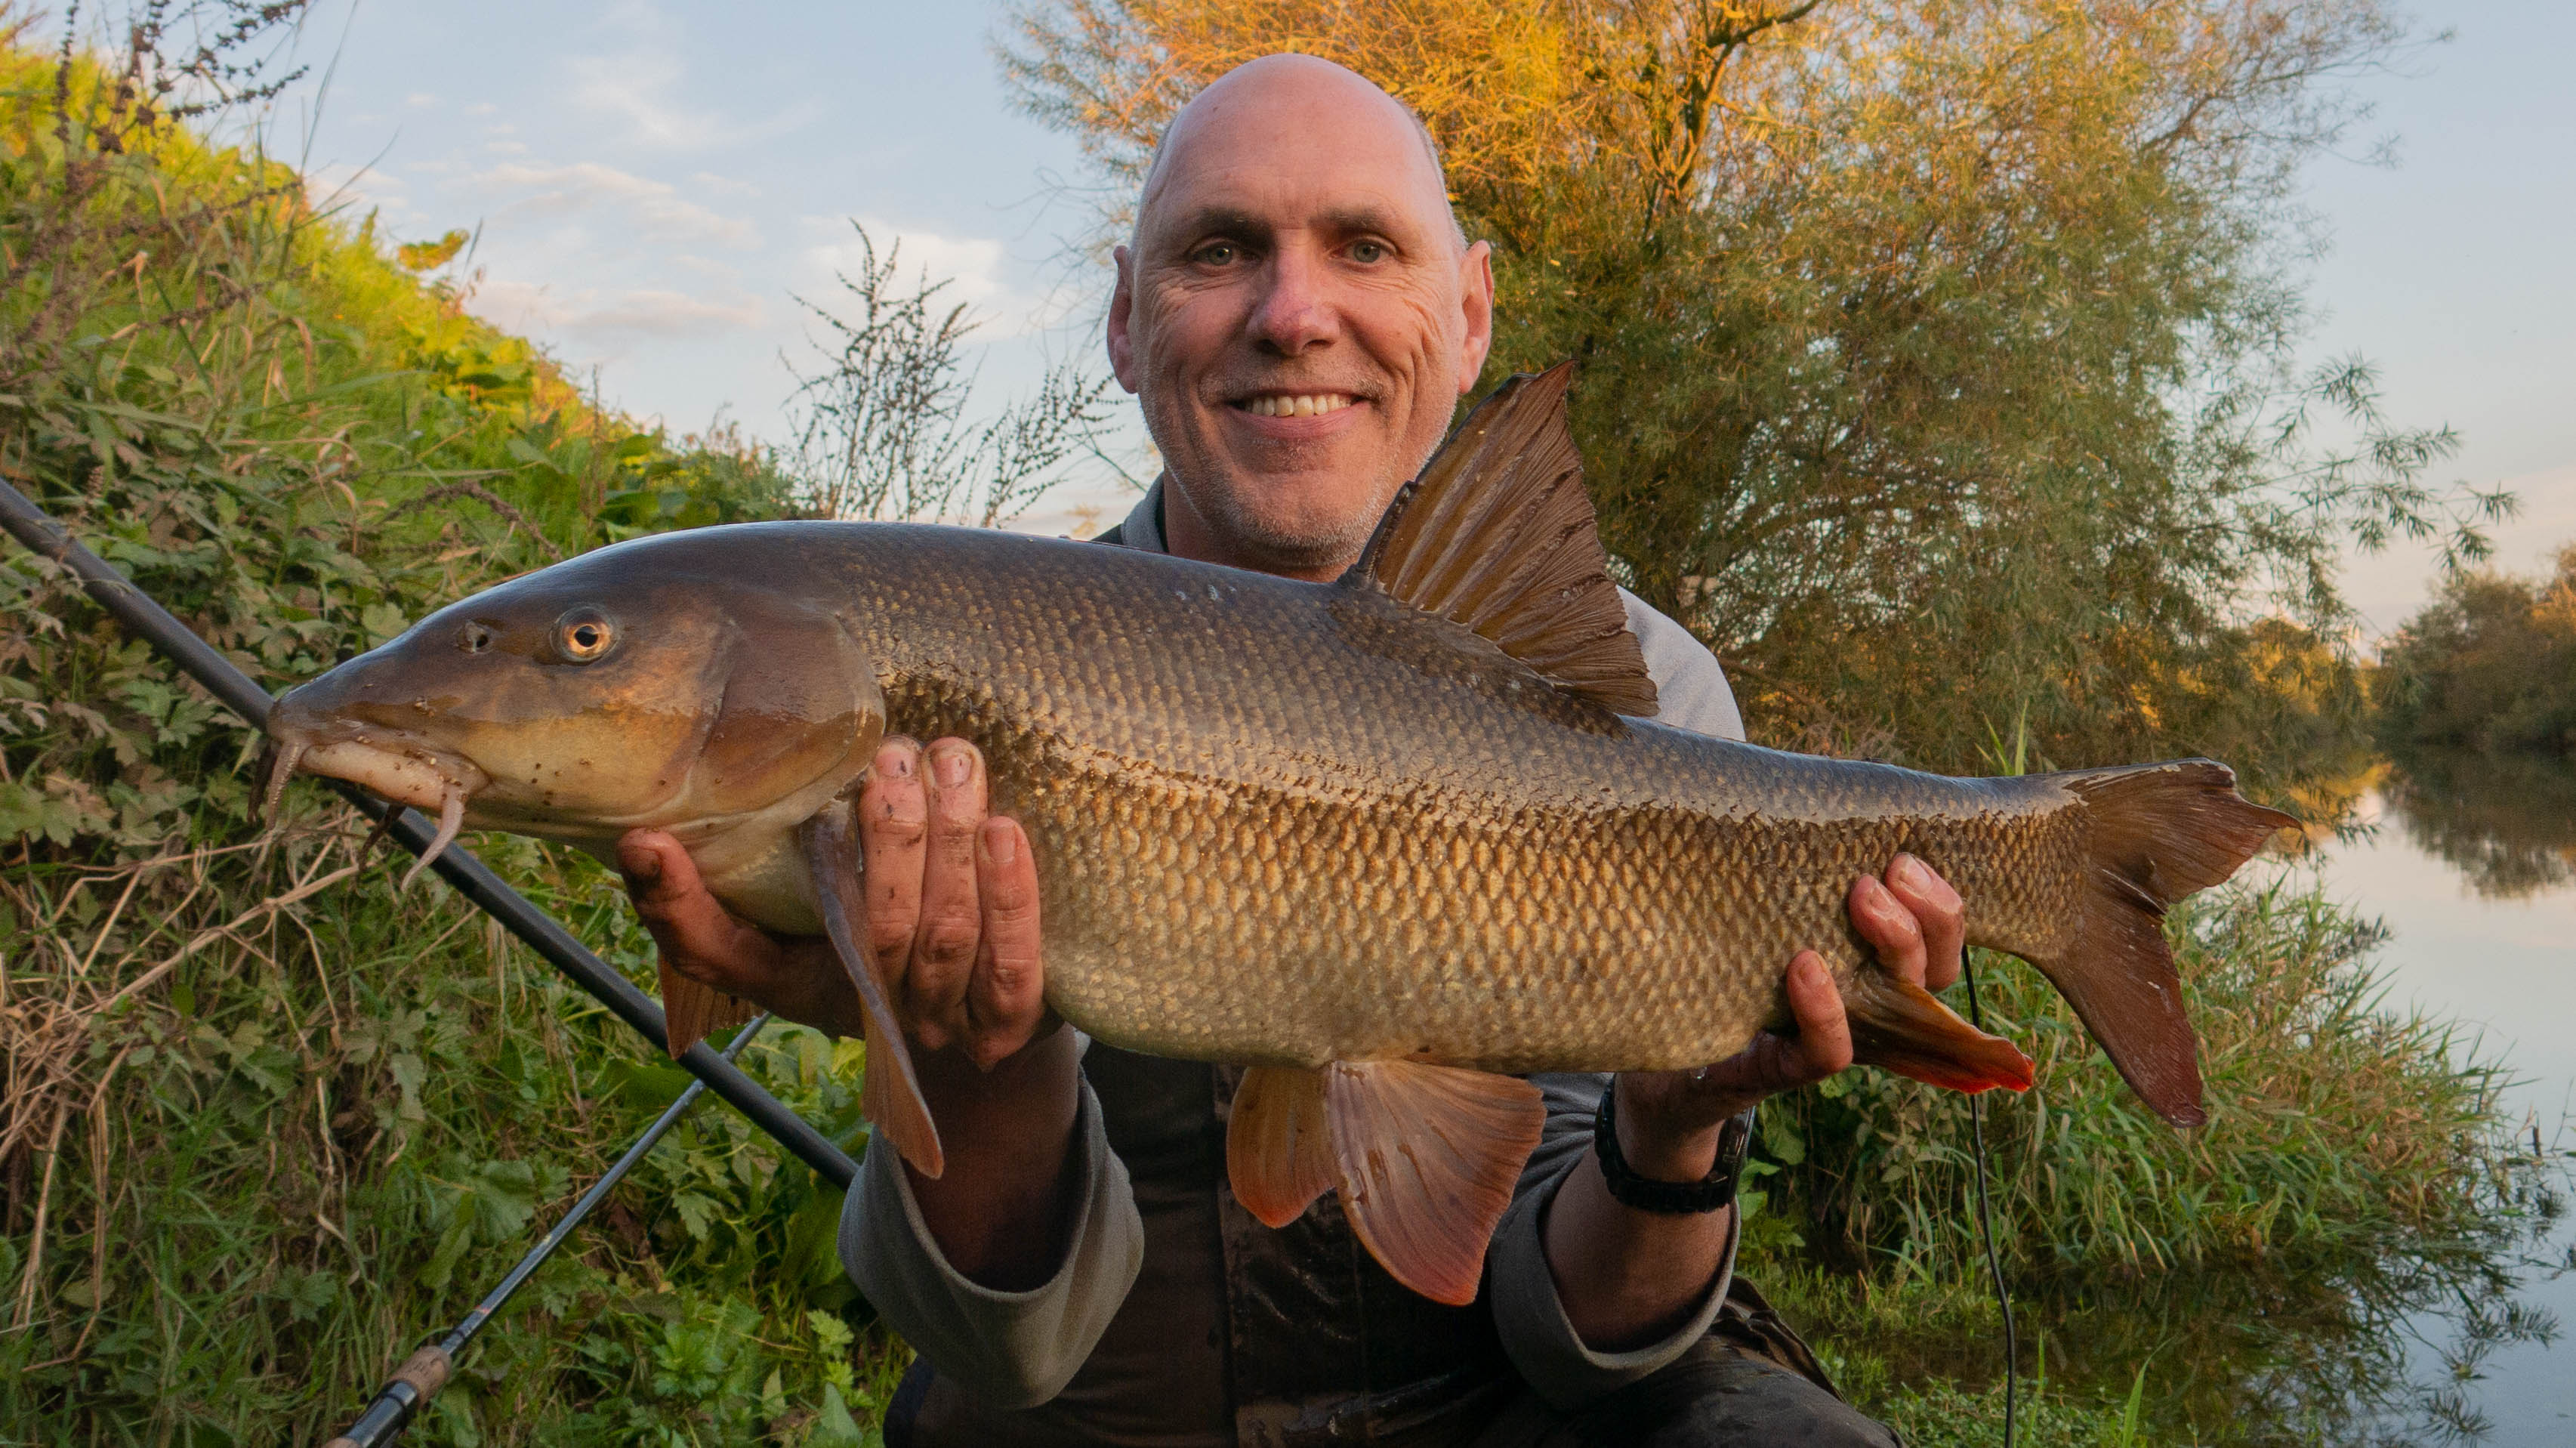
<point>1985,1216</point>
<point>144,617</point>
<point>420,1377</point>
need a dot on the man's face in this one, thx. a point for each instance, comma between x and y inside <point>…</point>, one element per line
<point>1296,315</point>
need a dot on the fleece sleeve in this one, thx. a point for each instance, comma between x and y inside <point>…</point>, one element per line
<point>1006,1349</point>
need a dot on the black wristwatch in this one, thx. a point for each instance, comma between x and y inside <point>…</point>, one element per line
<point>1646,1194</point>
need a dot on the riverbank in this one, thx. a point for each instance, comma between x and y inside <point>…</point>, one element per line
<point>2453,1335</point>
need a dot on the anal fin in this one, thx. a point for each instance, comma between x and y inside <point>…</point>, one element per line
<point>692,1008</point>
<point>1278,1143</point>
<point>890,1093</point>
<point>1901,1027</point>
<point>1428,1157</point>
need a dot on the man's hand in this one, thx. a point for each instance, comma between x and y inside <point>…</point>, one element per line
<point>1628,1278</point>
<point>952,901</point>
<point>794,978</point>
<point>952,904</point>
<point>952,915</point>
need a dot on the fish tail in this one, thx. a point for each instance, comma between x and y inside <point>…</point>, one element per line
<point>2154,834</point>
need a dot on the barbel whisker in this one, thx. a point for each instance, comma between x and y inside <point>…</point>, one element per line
<point>451,819</point>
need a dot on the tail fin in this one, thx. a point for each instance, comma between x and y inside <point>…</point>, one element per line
<point>2157,832</point>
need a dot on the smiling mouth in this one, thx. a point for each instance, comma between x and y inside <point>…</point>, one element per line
<point>1295,404</point>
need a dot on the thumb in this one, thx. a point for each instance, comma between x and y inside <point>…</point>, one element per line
<point>656,867</point>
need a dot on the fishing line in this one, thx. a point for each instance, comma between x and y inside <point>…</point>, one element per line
<point>1985,1215</point>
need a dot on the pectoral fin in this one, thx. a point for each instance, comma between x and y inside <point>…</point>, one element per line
<point>1900,1026</point>
<point>890,1094</point>
<point>1427,1158</point>
<point>1278,1148</point>
<point>692,1008</point>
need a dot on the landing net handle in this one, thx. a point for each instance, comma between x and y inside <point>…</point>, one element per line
<point>148,620</point>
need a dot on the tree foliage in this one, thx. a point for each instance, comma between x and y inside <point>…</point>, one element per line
<point>1937,356</point>
<point>2489,665</point>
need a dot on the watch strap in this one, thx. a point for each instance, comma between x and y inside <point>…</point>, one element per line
<point>1647,1194</point>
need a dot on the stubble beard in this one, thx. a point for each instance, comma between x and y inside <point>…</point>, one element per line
<point>1275,544</point>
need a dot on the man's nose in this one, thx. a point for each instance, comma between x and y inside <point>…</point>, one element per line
<point>1295,311</point>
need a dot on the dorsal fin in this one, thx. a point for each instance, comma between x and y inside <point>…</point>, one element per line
<point>1498,535</point>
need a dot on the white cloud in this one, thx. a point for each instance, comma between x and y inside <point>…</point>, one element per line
<point>586,189</point>
<point>420,100</point>
<point>635,314</point>
<point>482,108</point>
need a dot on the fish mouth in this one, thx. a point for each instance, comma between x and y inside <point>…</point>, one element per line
<point>400,767</point>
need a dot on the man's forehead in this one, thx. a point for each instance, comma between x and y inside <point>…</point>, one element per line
<point>1291,140</point>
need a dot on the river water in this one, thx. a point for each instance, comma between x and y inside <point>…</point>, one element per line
<point>2471,865</point>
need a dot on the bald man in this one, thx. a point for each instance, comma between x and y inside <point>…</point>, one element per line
<point>1298,314</point>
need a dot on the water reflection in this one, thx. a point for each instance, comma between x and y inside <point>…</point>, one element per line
<point>2508,822</point>
<point>2392,1351</point>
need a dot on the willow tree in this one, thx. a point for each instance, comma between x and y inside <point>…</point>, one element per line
<point>1937,355</point>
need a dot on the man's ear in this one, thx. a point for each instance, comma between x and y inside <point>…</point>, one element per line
<point>1122,307</point>
<point>1476,297</point>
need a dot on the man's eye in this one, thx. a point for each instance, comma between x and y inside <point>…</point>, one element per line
<point>1216,253</point>
<point>1368,253</point>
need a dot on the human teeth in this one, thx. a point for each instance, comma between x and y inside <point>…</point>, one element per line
<point>1300,405</point>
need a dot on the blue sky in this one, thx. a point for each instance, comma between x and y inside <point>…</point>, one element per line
<point>655,183</point>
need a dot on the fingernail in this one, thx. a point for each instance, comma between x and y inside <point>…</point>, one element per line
<point>895,762</point>
<point>954,765</point>
<point>1911,871</point>
<point>1000,846</point>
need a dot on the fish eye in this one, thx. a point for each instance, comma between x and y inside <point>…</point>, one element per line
<point>583,635</point>
<point>476,637</point>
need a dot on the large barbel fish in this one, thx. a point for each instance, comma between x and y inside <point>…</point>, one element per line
<point>1389,841</point>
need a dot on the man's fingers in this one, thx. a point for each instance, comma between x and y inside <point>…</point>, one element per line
<point>1007,997</point>
<point>944,945</point>
<point>1938,912</point>
<point>695,933</point>
<point>894,823</point>
<point>1824,1034</point>
<point>1889,927</point>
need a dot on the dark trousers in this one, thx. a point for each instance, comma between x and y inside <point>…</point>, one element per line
<point>1717,1395</point>
<point>1714,1396</point>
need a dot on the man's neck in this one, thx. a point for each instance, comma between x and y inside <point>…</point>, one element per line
<point>1186,534</point>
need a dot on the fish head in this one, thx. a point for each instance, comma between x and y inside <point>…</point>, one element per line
<point>595,697</point>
